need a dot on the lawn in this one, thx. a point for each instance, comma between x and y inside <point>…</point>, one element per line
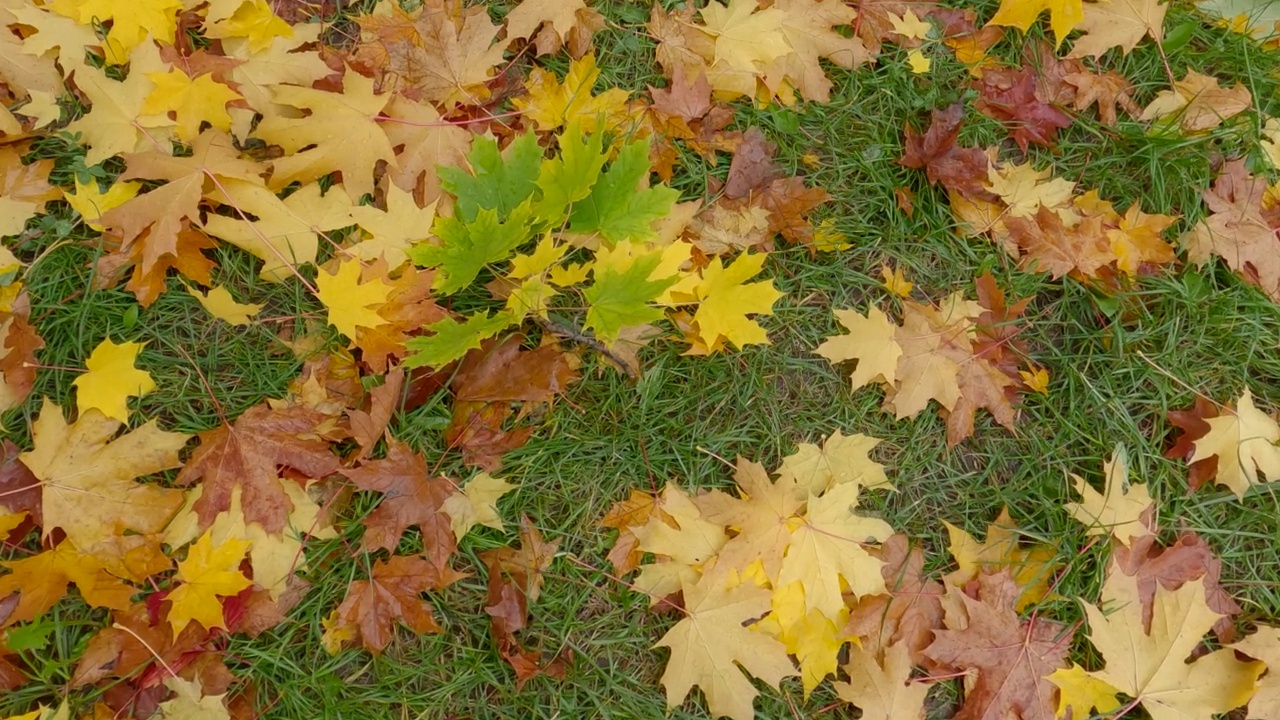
<point>1119,359</point>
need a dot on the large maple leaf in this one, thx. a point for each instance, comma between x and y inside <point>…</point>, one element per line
<point>1118,23</point>
<point>711,642</point>
<point>1150,665</point>
<point>88,478</point>
<point>1011,656</point>
<point>249,454</point>
<point>115,122</point>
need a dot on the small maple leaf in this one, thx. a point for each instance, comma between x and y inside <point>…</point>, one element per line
<point>190,702</point>
<point>1008,95</point>
<point>476,504</point>
<point>725,300</point>
<point>192,100</point>
<point>390,595</point>
<point>883,691</point>
<point>1149,663</point>
<point>1239,230</point>
<point>1169,567</point>
<point>1198,103</point>
<point>115,123</point>
<point>1079,693</point>
<point>1031,568</point>
<point>1064,15</point>
<point>551,104</point>
<point>841,459</point>
<point>1246,444</point>
<point>92,202</point>
<point>961,169</point>
<point>1193,426</point>
<point>112,379</point>
<point>207,573</point>
<point>410,496</point>
<point>711,648</point>
<point>131,23</point>
<point>895,282</point>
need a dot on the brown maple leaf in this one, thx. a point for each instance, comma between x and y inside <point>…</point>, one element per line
<point>135,638</point>
<point>963,170</point>
<point>1193,426</point>
<point>1008,96</point>
<point>686,100</point>
<point>410,496</point>
<point>20,491</point>
<point>1011,656</point>
<point>1240,229</point>
<point>408,309</point>
<point>1186,560</point>
<point>909,613</point>
<point>391,595</point>
<point>19,343</point>
<point>249,454</point>
<point>1108,90</point>
<point>1048,245</point>
<point>147,283</point>
<point>515,580</point>
<point>441,52</point>
<point>368,426</point>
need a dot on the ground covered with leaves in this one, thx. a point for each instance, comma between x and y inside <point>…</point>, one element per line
<point>789,358</point>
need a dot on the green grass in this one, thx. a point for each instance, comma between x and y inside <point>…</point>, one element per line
<point>1113,380</point>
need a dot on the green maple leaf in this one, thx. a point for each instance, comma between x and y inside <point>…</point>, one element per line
<point>452,339</point>
<point>568,178</point>
<point>467,247</point>
<point>623,290</point>
<point>616,208</point>
<point>498,181</point>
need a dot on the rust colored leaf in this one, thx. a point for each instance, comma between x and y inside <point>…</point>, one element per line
<point>515,580</point>
<point>1048,245</point>
<point>752,167</point>
<point>1108,91</point>
<point>910,611</point>
<point>1193,426</point>
<point>961,169</point>
<point>20,491</point>
<point>526,564</point>
<point>686,100</point>
<point>1187,559</point>
<point>1011,656</point>
<point>368,426</point>
<point>408,309</point>
<point>391,595</point>
<point>410,497</point>
<point>249,454</point>
<point>1009,96</point>
<point>117,653</point>
<point>19,343</point>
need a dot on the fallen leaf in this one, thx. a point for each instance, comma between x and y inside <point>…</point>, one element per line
<point>1245,445</point>
<point>219,303</point>
<point>111,380</point>
<point>207,573</point>
<point>391,595</point>
<point>1198,103</point>
<point>1118,23</point>
<point>1123,510</point>
<point>410,496</point>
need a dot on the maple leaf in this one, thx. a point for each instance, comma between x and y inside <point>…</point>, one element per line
<point>92,202</point>
<point>1264,645</point>
<point>527,564</point>
<point>88,479</point>
<point>1079,692</point>
<point>1008,95</point>
<point>1064,15</point>
<point>465,248</point>
<point>1151,665</point>
<point>111,380</point>
<point>1025,190</point>
<point>1198,103</point>
<point>870,341</point>
<point>710,644</point>
<point>440,53</point>
<point>1118,23</point>
<point>410,496</point>
<point>1138,241</point>
<point>551,104</point>
<point>841,459</point>
<point>24,188</point>
<point>493,180</point>
<point>680,534</point>
<point>626,282</point>
<point>409,307</point>
<point>1011,656</point>
<point>883,691</point>
<point>1238,231</point>
<point>827,548</point>
<point>391,595</point>
<point>1245,444</point>
<point>206,573</point>
<point>452,340</point>
<point>1122,510</point>
<point>192,100</point>
<point>726,299</point>
<point>41,580</point>
<point>1169,567</point>
<point>476,504</point>
<point>340,133</point>
<point>220,304</point>
<point>190,702</point>
<point>248,453</point>
<point>561,21</point>
<point>283,234</point>
<point>962,169</point>
<point>392,231</point>
<point>809,27</point>
<point>618,208</point>
<point>1107,90</point>
<point>114,123</point>
<point>350,302</point>
<point>131,23</point>
<point>1031,568</point>
<point>1049,245</point>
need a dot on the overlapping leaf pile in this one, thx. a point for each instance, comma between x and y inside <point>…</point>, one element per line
<point>780,579</point>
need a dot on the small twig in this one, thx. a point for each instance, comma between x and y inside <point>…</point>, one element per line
<point>580,337</point>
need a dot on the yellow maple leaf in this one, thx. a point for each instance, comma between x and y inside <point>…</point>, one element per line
<point>219,303</point>
<point>1119,508</point>
<point>92,203</point>
<point>813,638</point>
<point>726,299</point>
<point>1031,567</point>
<point>1118,23</point>
<point>115,122</point>
<point>190,703</point>
<point>1037,379</point>
<point>895,282</point>
<point>871,341</point>
<point>112,379</point>
<point>253,20</point>
<point>1080,693</point>
<point>841,459</point>
<point>351,302</point>
<point>191,100</point>
<point>685,537</point>
<point>1151,666</point>
<point>909,25</point>
<point>918,63</point>
<point>476,504</point>
<point>1245,444</point>
<point>207,573</point>
<point>883,690</point>
<point>1064,15</point>
<point>337,632</point>
<point>392,231</point>
<point>131,22</point>
<point>1025,190</point>
<point>551,104</point>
